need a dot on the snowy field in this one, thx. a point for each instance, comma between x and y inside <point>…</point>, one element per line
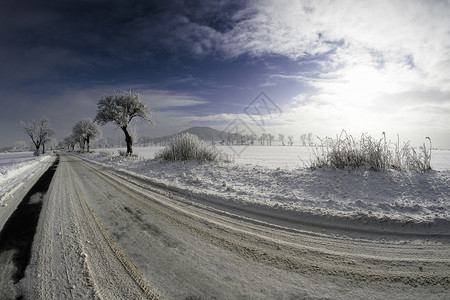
<point>283,157</point>
<point>275,177</point>
<point>15,168</point>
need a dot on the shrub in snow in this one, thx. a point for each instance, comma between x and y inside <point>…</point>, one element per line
<point>106,154</point>
<point>346,152</point>
<point>126,154</point>
<point>188,146</point>
<point>122,153</point>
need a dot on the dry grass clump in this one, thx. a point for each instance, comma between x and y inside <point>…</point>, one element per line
<point>188,146</point>
<point>346,152</point>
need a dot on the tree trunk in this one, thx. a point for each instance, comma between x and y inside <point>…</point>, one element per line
<point>128,140</point>
<point>37,151</point>
<point>87,141</point>
<point>43,148</point>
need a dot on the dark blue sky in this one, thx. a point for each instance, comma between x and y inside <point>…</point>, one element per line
<point>360,66</point>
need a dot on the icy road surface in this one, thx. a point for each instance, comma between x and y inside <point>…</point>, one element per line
<point>104,234</point>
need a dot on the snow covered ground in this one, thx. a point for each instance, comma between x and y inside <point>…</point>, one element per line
<point>94,218</point>
<point>276,177</point>
<point>107,234</point>
<point>15,170</point>
<point>283,157</point>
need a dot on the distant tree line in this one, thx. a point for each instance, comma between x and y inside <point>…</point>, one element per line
<point>265,139</point>
<point>231,139</point>
<point>39,132</point>
<point>120,108</point>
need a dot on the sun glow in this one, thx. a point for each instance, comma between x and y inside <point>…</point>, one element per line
<point>355,97</point>
<point>361,85</point>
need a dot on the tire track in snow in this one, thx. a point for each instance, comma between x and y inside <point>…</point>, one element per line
<point>71,258</point>
<point>358,259</point>
<point>128,265</point>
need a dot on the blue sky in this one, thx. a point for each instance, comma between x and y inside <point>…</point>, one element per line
<point>362,66</point>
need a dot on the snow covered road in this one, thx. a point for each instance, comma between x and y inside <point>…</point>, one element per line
<point>105,234</point>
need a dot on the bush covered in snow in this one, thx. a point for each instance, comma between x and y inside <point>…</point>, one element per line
<point>104,153</point>
<point>346,152</point>
<point>188,146</point>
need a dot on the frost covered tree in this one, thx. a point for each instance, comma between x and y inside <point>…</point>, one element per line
<point>281,138</point>
<point>20,146</point>
<point>86,130</point>
<point>145,140</point>
<point>51,143</point>
<point>120,108</point>
<point>290,140</point>
<point>309,138</point>
<point>70,142</point>
<point>263,138</point>
<point>303,139</point>
<point>39,133</point>
<point>134,132</point>
<point>78,136</point>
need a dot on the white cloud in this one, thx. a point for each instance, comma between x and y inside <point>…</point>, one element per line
<point>214,118</point>
<point>384,63</point>
<point>392,29</point>
<point>164,99</point>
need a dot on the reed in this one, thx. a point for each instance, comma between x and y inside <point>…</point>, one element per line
<point>375,154</point>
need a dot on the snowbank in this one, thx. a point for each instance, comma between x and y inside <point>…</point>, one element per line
<point>16,168</point>
<point>362,196</point>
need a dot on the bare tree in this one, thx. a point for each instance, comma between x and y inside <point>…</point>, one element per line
<point>290,140</point>
<point>303,139</point>
<point>86,130</point>
<point>263,138</point>
<point>309,138</point>
<point>39,132</point>
<point>281,138</point>
<point>120,108</point>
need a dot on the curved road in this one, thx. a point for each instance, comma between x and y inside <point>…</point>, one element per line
<point>104,234</point>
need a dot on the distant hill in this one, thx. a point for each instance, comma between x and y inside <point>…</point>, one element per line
<point>204,133</point>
